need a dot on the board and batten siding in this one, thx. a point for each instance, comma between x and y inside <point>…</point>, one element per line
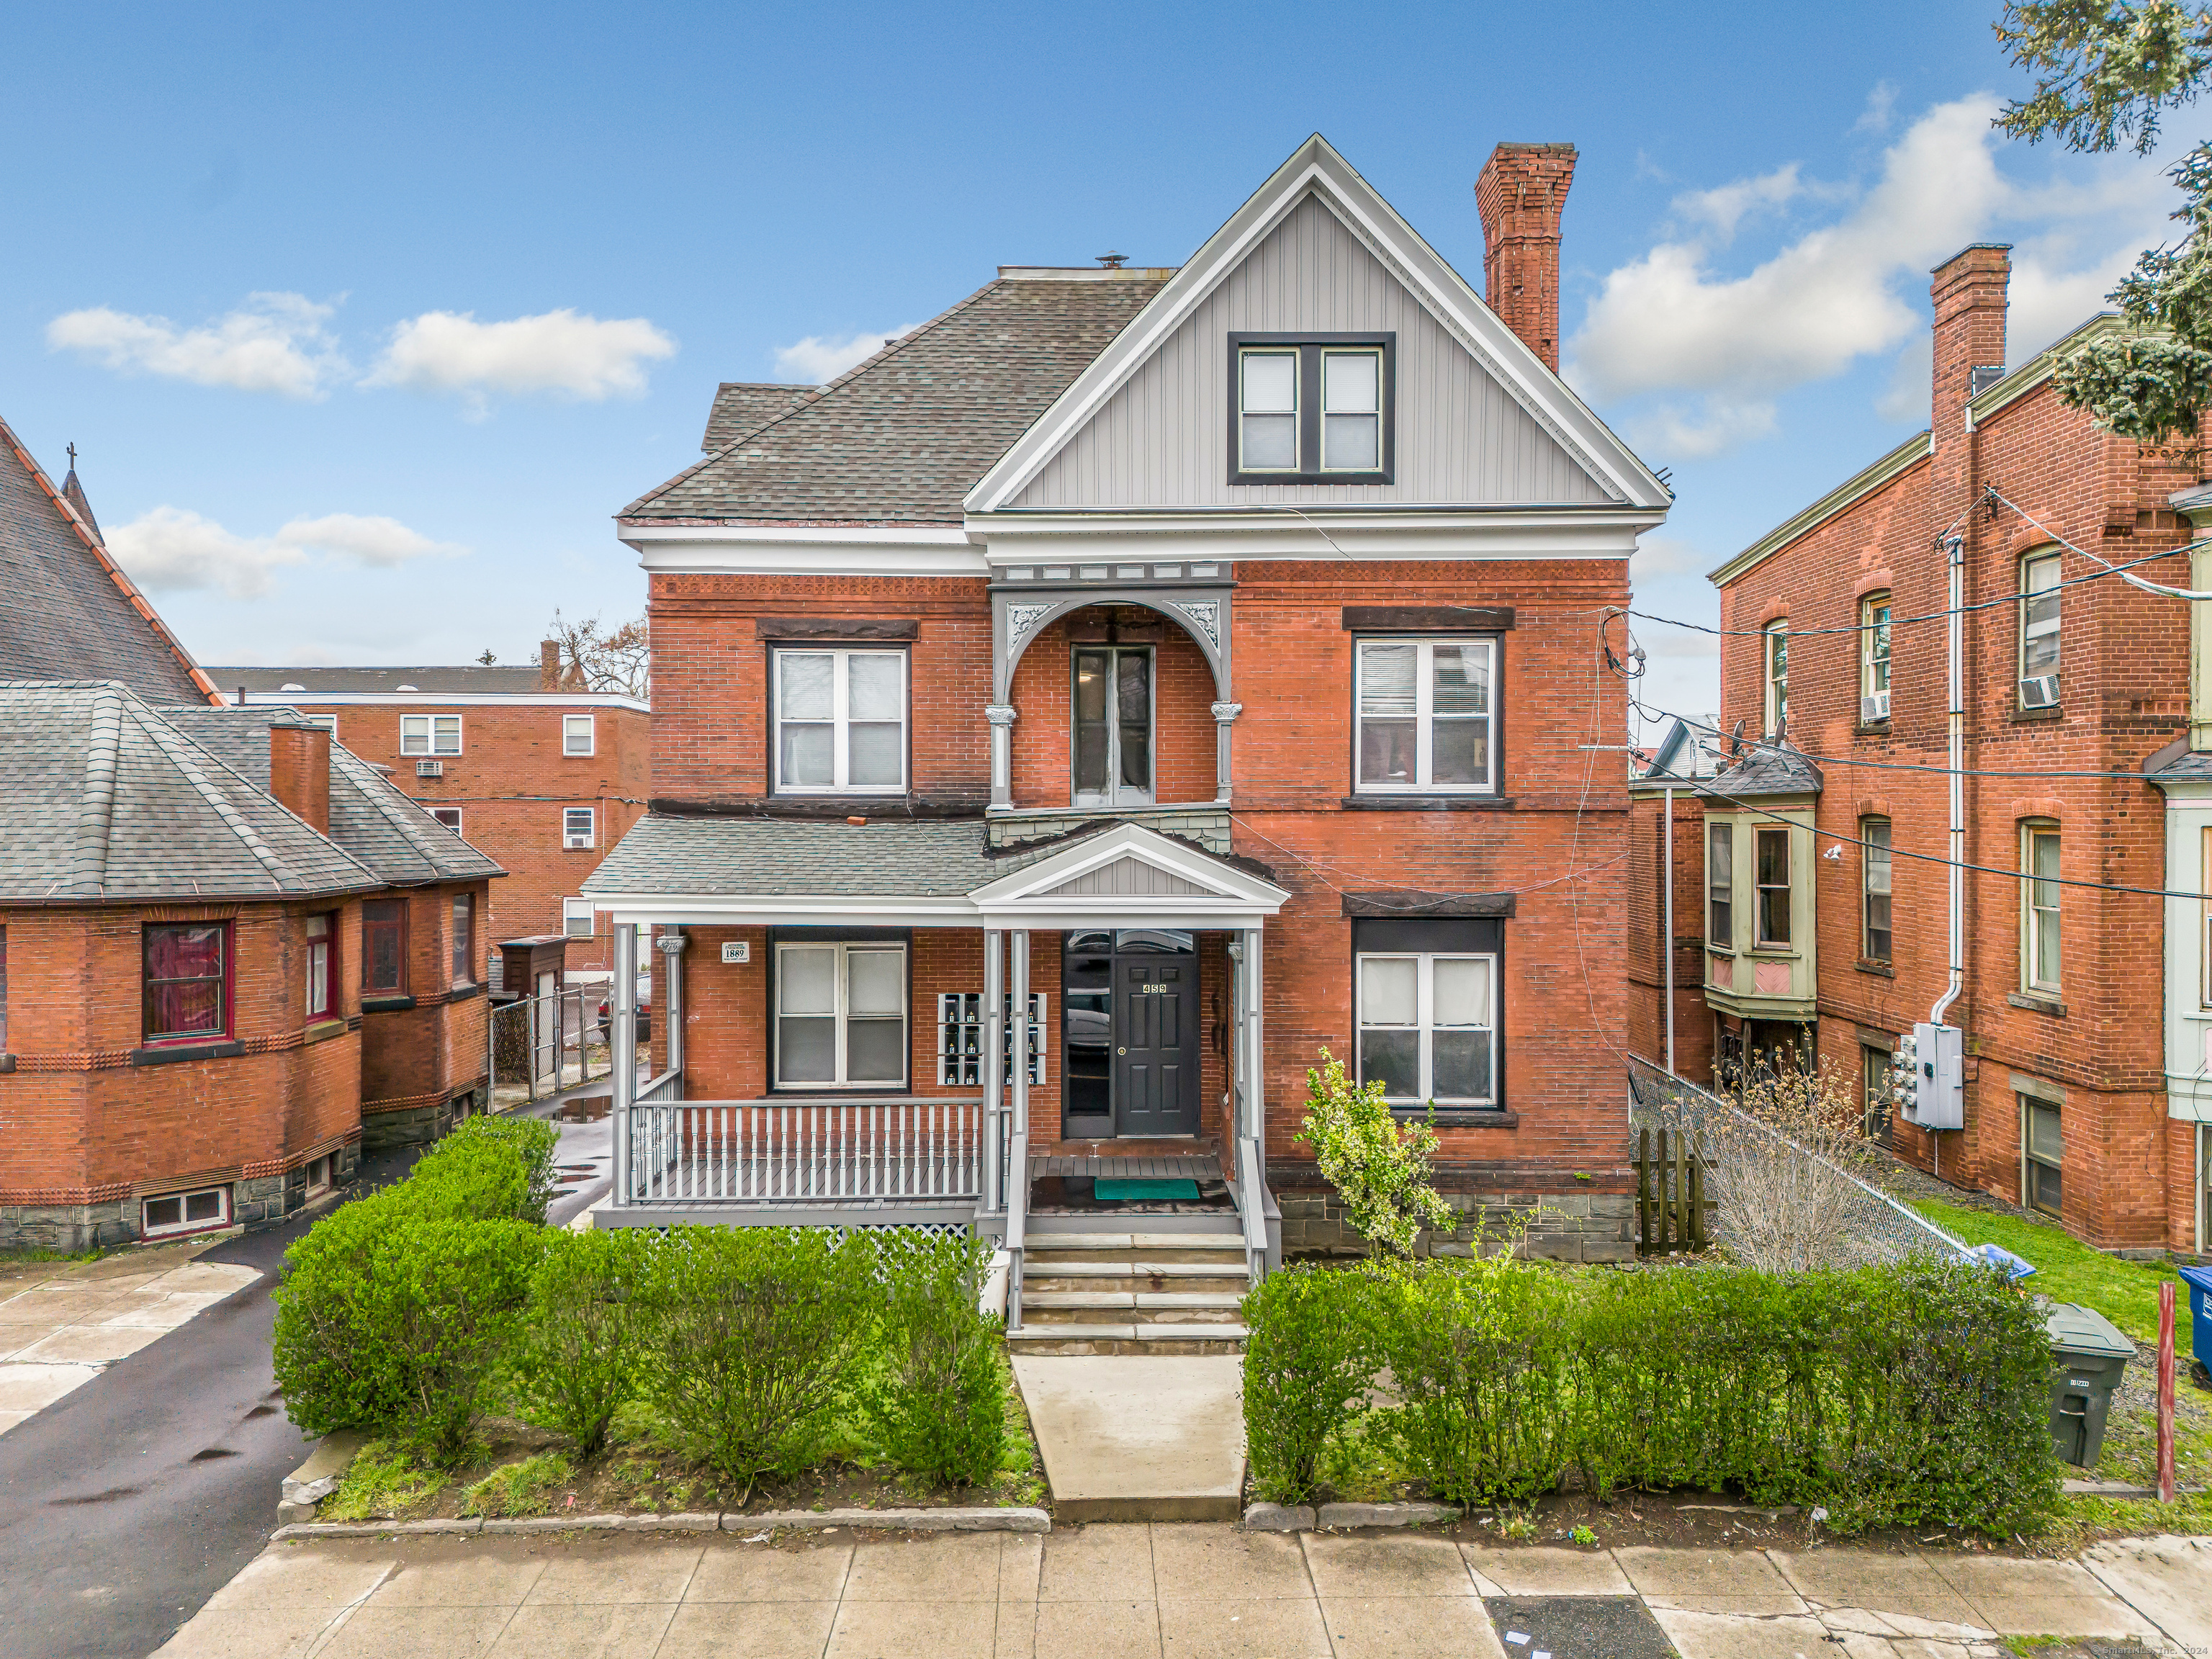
<point>1130,878</point>
<point>1162,441</point>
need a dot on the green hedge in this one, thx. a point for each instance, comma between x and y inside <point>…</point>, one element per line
<point>414,1312</point>
<point>1897,1395</point>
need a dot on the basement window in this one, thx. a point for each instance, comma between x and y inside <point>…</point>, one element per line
<point>184,1213</point>
<point>2043,1150</point>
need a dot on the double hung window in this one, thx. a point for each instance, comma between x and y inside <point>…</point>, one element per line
<point>576,918</point>
<point>1312,409</point>
<point>1720,885</point>
<point>322,939</point>
<point>2038,630</point>
<point>1113,726</point>
<point>1426,721</point>
<point>841,721</point>
<point>841,1014</point>
<point>577,736</point>
<point>1770,862</point>
<point>1428,1027</point>
<point>2039,909</point>
<point>1776,644</point>
<point>186,979</point>
<point>429,734</point>
<point>1874,838</point>
<point>384,946</point>
<point>1874,657</point>
<point>464,941</point>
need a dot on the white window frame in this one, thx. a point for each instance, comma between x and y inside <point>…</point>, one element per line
<point>573,910</point>
<point>2057,625</point>
<point>570,840</point>
<point>1875,640</point>
<point>842,1016</point>
<point>1424,714</point>
<point>588,725</point>
<point>183,1224</point>
<point>2032,915</point>
<point>2204,929</point>
<point>1773,644</point>
<point>328,722</point>
<point>840,720</point>
<point>1297,411</point>
<point>1763,835</point>
<point>1424,1021</point>
<point>429,734</point>
<point>448,816</point>
<point>1375,353</point>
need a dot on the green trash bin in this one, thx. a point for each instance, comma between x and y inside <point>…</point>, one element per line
<point>2088,1354</point>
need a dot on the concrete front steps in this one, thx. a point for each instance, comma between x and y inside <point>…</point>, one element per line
<point>1132,1293</point>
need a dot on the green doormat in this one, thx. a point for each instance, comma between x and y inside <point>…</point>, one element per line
<point>1112,1191</point>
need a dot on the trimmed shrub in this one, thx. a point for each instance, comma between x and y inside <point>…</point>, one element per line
<point>576,1358</point>
<point>753,1330</point>
<point>1308,1366</point>
<point>1894,1396</point>
<point>487,1168</point>
<point>937,1399</point>
<point>401,1322</point>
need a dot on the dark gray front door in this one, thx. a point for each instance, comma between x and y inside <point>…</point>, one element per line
<point>1156,1010</point>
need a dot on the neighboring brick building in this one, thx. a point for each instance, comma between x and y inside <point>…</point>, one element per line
<point>1217,641</point>
<point>541,775</point>
<point>2073,680</point>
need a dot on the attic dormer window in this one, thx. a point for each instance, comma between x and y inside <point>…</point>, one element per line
<point>1311,409</point>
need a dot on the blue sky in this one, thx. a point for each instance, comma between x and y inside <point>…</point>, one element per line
<point>502,254</point>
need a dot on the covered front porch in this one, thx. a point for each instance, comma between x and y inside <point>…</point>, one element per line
<point>843,1003</point>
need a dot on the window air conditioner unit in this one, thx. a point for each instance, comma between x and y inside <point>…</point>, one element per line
<point>2040,692</point>
<point>572,842</point>
<point>1873,708</point>
<point>429,768</point>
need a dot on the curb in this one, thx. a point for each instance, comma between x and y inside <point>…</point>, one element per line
<point>939,1520</point>
<point>1275,1517</point>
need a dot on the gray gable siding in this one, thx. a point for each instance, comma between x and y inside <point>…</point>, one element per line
<point>1162,441</point>
<point>1128,876</point>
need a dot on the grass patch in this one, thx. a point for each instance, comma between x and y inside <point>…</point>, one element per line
<point>40,1253</point>
<point>381,1483</point>
<point>524,1488</point>
<point>2067,1270</point>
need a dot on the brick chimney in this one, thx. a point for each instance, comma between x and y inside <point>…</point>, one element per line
<point>548,664</point>
<point>1968,291</point>
<point>299,772</point>
<point>1521,194</point>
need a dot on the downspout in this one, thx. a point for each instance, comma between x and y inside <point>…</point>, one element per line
<point>1667,925</point>
<point>1955,625</point>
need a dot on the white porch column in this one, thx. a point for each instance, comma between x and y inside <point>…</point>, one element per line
<point>671,1013</point>
<point>1223,713</point>
<point>1254,1063</point>
<point>1001,716</point>
<point>1018,1154</point>
<point>994,1071</point>
<point>625,1053</point>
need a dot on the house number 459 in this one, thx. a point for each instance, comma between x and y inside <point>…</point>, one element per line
<point>1154,990</point>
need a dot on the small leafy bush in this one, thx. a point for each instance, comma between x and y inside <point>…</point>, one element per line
<point>489,1168</point>
<point>936,1400</point>
<point>576,1357</point>
<point>753,1331</point>
<point>523,1488</point>
<point>1378,1165</point>
<point>382,1481</point>
<point>1308,1366</point>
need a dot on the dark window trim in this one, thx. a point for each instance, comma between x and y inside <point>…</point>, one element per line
<point>1453,936</point>
<point>383,993</point>
<point>1427,618</point>
<point>775,791</point>
<point>463,950</point>
<point>774,1091</point>
<point>189,1040</point>
<point>164,1053</point>
<point>857,630</point>
<point>1445,800</point>
<point>385,1003</point>
<point>1310,349</point>
<point>1395,904</point>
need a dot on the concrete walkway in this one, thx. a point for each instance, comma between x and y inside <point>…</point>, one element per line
<point>1174,1591</point>
<point>1138,1437</point>
<point>63,1323</point>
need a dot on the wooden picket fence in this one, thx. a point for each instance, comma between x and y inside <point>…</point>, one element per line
<point>1672,1210</point>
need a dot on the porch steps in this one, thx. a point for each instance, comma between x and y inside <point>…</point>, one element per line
<point>1132,1293</point>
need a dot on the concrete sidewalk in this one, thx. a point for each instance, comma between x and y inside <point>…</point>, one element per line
<point>1175,1591</point>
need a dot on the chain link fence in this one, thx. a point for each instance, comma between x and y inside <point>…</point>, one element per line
<point>1872,1226</point>
<point>542,1044</point>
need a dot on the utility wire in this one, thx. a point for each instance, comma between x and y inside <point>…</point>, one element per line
<point>2110,568</point>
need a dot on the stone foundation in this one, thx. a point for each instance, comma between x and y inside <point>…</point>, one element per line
<point>259,1202</point>
<point>418,1125</point>
<point>1551,1226</point>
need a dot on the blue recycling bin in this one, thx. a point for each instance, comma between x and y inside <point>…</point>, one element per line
<point>2199,1280</point>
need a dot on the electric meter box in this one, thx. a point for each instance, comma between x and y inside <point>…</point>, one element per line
<point>1939,1077</point>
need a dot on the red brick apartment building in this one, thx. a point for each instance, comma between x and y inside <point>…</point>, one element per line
<point>1202,652</point>
<point>209,920</point>
<point>1817,896</point>
<point>524,763</point>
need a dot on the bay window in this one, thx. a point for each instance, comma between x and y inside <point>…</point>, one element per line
<point>1771,877</point>
<point>840,721</point>
<point>1720,885</point>
<point>322,936</point>
<point>1426,718</point>
<point>384,946</point>
<point>464,941</point>
<point>841,1013</point>
<point>186,979</point>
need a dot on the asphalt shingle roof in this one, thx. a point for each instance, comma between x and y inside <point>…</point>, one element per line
<point>66,616</point>
<point>369,818</point>
<point>109,802</point>
<point>1768,769</point>
<point>458,677</point>
<point>743,407</point>
<point>904,437</point>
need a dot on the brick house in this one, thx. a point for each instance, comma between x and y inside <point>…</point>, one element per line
<point>524,763</point>
<point>1822,874</point>
<point>1159,675</point>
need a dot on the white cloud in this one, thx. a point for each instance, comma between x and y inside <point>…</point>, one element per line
<point>1881,103</point>
<point>562,352</point>
<point>273,342</point>
<point>172,548</point>
<point>821,358</point>
<point>1701,354</point>
<point>1664,555</point>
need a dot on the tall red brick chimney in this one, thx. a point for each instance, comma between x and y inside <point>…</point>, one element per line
<point>299,773</point>
<point>548,664</point>
<point>1521,194</point>
<point>1968,291</point>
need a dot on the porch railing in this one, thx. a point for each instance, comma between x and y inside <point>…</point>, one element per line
<point>800,1152</point>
